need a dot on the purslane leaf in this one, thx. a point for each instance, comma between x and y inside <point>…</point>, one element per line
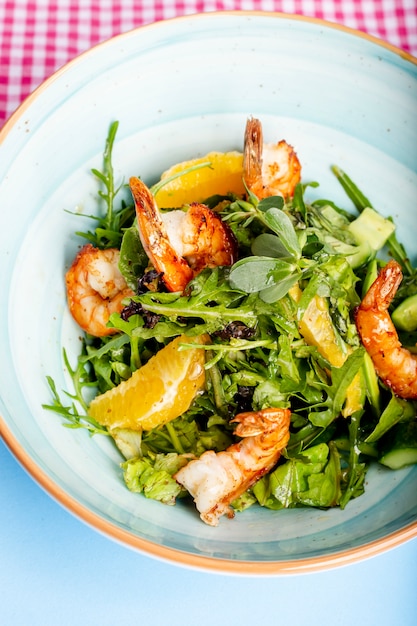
<point>254,274</point>
<point>279,222</point>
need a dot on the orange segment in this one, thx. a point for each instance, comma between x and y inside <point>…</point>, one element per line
<point>156,393</point>
<point>224,175</point>
<point>317,329</point>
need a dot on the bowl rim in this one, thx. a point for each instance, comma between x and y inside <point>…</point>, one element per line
<point>19,111</point>
<point>195,561</point>
<point>113,531</point>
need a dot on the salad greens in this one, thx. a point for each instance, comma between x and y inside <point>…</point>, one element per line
<point>293,257</point>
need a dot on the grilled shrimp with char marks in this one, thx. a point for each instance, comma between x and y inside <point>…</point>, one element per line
<point>269,169</point>
<point>180,243</point>
<point>394,364</point>
<point>96,289</point>
<point>216,479</point>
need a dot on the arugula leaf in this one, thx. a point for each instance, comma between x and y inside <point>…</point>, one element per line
<point>109,230</point>
<point>107,176</point>
<point>356,472</point>
<point>192,433</point>
<point>71,413</point>
<point>209,299</point>
<point>341,378</point>
<point>395,411</point>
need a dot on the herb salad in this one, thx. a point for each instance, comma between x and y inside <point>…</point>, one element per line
<point>280,323</point>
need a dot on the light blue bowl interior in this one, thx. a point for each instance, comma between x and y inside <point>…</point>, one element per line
<point>181,89</point>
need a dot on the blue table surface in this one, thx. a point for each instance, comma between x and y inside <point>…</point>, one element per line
<point>54,569</point>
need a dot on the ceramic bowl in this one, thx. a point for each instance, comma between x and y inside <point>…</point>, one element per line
<point>180,89</point>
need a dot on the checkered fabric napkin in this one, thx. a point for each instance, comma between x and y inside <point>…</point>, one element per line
<point>39,36</point>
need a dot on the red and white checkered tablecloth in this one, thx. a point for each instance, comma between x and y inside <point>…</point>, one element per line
<point>39,36</point>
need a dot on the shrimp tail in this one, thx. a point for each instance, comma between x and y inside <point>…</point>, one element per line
<point>395,365</point>
<point>176,273</point>
<point>383,290</point>
<point>252,151</point>
<point>269,169</point>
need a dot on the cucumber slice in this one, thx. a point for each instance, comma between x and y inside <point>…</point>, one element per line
<point>399,446</point>
<point>405,315</point>
<point>372,228</point>
<point>355,255</point>
<point>396,459</point>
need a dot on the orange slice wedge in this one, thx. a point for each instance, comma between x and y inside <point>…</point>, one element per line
<point>224,174</point>
<point>156,393</point>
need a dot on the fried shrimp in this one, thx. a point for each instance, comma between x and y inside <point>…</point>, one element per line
<point>216,479</point>
<point>269,169</point>
<point>394,364</point>
<point>180,243</point>
<point>95,289</point>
